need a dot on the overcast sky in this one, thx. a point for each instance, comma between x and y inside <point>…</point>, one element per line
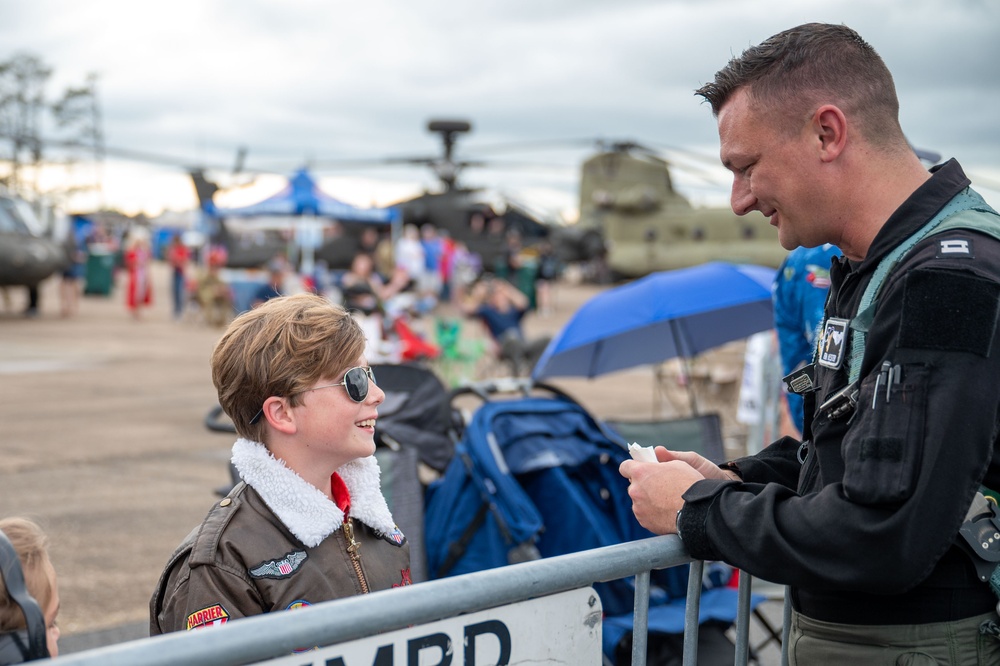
<point>310,81</point>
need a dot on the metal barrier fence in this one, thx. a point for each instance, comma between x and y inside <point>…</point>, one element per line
<point>279,634</point>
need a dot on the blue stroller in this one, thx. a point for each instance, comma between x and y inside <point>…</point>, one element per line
<point>537,476</point>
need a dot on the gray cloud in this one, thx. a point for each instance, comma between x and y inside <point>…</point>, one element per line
<point>301,79</point>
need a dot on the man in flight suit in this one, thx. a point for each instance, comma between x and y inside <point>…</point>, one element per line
<point>866,529</point>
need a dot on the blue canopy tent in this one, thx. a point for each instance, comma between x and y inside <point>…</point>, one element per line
<point>303,198</point>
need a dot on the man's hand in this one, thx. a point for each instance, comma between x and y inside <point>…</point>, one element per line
<point>656,488</point>
<point>707,468</point>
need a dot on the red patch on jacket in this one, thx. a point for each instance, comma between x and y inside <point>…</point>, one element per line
<point>207,617</point>
<point>404,578</point>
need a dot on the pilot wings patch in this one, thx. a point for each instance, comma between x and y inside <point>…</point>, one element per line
<point>280,568</point>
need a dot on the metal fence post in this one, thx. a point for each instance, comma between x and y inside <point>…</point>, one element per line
<point>692,613</point>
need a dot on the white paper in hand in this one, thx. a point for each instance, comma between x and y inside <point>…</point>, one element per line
<point>641,453</point>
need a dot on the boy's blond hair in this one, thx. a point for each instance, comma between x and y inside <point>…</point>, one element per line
<point>31,545</point>
<point>281,348</point>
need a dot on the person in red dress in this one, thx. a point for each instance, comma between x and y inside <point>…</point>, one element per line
<point>138,255</point>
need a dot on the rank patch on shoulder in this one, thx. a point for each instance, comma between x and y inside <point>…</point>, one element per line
<point>955,247</point>
<point>207,617</point>
<point>833,342</point>
<point>395,537</point>
<point>280,568</point>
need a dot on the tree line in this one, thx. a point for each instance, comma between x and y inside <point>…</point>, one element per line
<point>38,129</point>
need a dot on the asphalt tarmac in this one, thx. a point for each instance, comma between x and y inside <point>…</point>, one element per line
<point>104,443</point>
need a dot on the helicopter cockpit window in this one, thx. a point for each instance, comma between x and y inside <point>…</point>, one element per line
<point>10,220</point>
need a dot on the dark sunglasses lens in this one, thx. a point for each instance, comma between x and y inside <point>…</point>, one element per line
<point>356,382</point>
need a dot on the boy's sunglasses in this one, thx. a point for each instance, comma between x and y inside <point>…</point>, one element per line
<point>355,381</point>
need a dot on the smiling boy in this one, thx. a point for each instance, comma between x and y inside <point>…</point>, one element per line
<point>308,523</point>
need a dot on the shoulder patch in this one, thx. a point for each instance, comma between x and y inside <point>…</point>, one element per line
<point>209,616</point>
<point>955,248</point>
<point>282,567</point>
<point>395,537</point>
<point>949,311</point>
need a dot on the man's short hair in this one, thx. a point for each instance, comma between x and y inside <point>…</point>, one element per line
<point>281,348</point>
<point>794,72</point>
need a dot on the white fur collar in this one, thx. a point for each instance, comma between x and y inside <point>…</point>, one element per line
<point>304,509</point>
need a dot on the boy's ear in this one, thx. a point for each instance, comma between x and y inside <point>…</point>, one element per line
<point>278,413</point>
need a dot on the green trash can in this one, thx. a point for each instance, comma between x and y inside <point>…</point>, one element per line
<point>100,271</point>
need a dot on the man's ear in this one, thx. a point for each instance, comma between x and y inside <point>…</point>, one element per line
<point>279,414</point>
<point>829,125</point>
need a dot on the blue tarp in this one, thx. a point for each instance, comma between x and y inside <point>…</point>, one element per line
<point>302,196</point>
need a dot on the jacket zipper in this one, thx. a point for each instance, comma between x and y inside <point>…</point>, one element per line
<point>352,548</point>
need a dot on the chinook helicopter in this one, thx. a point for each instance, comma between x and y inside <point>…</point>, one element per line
<point>627,195</point>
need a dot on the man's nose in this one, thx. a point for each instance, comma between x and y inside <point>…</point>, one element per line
<point>742,199</point>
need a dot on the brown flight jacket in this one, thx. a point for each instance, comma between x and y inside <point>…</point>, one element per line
<point>244,560</point>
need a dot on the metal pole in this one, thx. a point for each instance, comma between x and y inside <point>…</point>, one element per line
<point>272,635</point>
<point>679,344</point>
<point>743,619</point>
<point>692,613</point>
<point>640,619</point>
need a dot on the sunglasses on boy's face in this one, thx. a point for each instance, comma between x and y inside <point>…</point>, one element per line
<point>355,381</point>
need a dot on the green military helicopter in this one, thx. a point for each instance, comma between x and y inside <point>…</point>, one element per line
<point>27,254</point>
<point>627,195</point>
<point>465,212</point>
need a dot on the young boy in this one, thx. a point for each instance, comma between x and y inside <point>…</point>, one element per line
<point>31,545</point>
<point>308,523</point>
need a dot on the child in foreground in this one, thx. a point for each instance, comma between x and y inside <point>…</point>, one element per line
<point>308,523</point>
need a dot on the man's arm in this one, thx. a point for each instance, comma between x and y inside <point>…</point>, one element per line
<point>897,477</point>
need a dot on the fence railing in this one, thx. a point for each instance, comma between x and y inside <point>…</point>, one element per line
<point>275,635</point>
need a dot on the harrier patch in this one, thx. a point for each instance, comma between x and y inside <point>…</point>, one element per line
<point>207,617</point>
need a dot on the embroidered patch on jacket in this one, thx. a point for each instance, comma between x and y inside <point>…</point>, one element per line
<point>404,578</point>
<point>395,537</point>
<point>301,603</point>
<point>207,617</point>
<point>955,247</point>
<point>282,568</point>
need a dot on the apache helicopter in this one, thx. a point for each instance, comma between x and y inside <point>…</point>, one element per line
<point>27,257</point>
<point>240,253</point>
<point>628,197</point>
<point>466,214</point>
<point>456,209</point>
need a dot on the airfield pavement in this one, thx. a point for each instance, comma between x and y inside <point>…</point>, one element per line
<point>104,444</point>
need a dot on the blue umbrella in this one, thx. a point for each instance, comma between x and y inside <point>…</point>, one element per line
<point>665,315</point>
